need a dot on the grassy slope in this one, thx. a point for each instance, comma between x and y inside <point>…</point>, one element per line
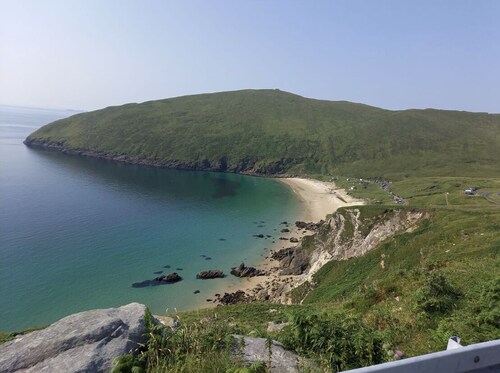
<point>459,241</point>
<point>266,127</point>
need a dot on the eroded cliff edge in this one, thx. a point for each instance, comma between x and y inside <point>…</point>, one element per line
<point>349,232</point>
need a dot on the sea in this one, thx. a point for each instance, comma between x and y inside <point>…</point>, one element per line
<point>76,233</point>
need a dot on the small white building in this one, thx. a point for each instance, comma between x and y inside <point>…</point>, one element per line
<point>469,191</point>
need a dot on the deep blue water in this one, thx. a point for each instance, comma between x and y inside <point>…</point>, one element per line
<point>75,233</point>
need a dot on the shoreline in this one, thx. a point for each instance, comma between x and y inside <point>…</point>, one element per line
<point>317,199</point>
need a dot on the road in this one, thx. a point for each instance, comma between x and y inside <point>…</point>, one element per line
<point>490,197</point>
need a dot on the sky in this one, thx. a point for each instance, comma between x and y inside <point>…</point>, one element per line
<point>397,54</point>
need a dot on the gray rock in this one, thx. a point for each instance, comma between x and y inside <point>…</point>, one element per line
<point>255,349</point>
<point>83,342</point>
<point>296,262</point>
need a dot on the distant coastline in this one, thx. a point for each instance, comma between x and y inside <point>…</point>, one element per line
<point>243,168</point>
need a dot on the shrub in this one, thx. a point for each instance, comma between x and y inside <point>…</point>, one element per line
<point>340,342</point>
<point>437,296</point>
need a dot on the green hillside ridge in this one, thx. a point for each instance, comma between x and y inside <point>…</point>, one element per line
<point>273,132</point>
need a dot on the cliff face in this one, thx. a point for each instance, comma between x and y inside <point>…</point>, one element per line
<point>348,233</point>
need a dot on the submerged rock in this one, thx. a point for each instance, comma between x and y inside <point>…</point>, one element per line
<point>205,275</point>
<point>83,342</point>
<point>169,279</point>
<point>160,280</point>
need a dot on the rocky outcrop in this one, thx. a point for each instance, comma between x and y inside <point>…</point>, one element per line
<point>205,275</point>
<point>244,271</point>
<point>234,298</point>
<point>345,235</point>
<point>83,342</point>
<point>309,226</point>
<point>250,350</point>
<point>282,254</point>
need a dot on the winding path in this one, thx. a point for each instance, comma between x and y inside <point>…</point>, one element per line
<point>490,197</point>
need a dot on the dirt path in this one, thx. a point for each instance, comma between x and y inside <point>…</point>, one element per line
<point>489,196</point>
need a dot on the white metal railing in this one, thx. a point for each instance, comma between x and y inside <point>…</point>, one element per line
<point>477,358</point>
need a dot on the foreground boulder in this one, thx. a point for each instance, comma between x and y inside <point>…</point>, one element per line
<point>83,342</point>
<point>205,275</point>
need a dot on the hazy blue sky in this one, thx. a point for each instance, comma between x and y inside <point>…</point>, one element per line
<point>394,54</point>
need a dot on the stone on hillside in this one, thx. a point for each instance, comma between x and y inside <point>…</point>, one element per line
<point>171,322</point>
<point>83,342</point>
<point>251,350</point>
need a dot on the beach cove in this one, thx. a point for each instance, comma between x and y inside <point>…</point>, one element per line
<point>317,199</point>
<point>77,233</point>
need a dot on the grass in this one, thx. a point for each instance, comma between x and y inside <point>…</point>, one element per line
<point>459,244</point>
<point>6,337</point>
<point>438,280</point>
<point>272,132</point>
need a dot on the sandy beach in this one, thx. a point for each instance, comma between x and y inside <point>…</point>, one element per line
<point>318,199</point>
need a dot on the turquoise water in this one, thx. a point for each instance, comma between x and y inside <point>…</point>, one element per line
<point>76,233</point>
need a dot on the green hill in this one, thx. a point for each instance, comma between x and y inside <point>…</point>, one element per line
<point>275,132</point>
